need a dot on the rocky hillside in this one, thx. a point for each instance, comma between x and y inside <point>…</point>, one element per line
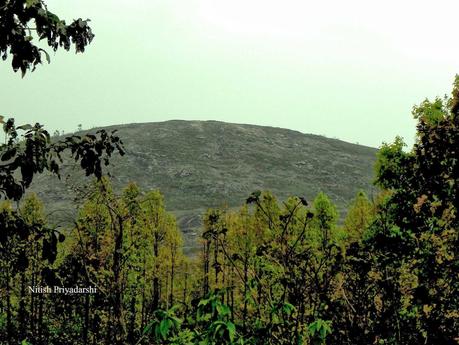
<point>207,164</point>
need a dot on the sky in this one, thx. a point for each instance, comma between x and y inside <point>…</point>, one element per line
<point>350,70</point>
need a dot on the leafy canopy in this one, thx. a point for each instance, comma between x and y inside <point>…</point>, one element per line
<point>22,22</point>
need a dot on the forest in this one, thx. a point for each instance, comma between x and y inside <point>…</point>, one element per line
<point>270,272</point>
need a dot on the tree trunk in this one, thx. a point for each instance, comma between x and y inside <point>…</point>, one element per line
<point>131,335</point>
<point>119,327</point>
<point>143,311</point>
<point>40,318</point>
<point>216,264</point>
<point>167,290</point>
<point>171,299</point>
<point>86,319</point>
<point>9,326</point>
<point>185,292</point>
<point>246,278</point>
<point>206,267</point>
<point>155,304</point>
<point>22,326</point>
<point>33,312</point>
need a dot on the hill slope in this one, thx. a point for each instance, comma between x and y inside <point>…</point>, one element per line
<point>206,164</point>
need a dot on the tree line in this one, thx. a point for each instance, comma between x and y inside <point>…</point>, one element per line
<point>269,272</point>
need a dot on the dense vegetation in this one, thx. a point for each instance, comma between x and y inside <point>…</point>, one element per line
<point>269,273</point>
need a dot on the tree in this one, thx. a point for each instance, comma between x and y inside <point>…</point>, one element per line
<point>24,21</point>
<point>359,216</point>
<point>279,263</point>
<point>415,235</point>
<point>28,150</point>
<point>27,252</point>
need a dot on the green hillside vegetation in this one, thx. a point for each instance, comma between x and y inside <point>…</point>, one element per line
<point>268,272</point>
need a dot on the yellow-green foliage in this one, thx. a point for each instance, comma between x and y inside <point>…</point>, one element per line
<point>359,215</point>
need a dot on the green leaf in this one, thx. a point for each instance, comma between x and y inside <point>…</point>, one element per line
<point>223,309</point>
<point>30,3</point>
<point>164,328</point>
<point>288,308</point>
<point>147,328</point>
<point>9,154</point>
<point>25,127</point>
<point>48,59</point>
<point>231,330</point>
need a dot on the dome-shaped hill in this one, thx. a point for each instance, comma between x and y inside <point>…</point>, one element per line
<point>201,164</point>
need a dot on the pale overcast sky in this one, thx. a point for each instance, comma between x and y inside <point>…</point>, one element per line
<point>346,69</point>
